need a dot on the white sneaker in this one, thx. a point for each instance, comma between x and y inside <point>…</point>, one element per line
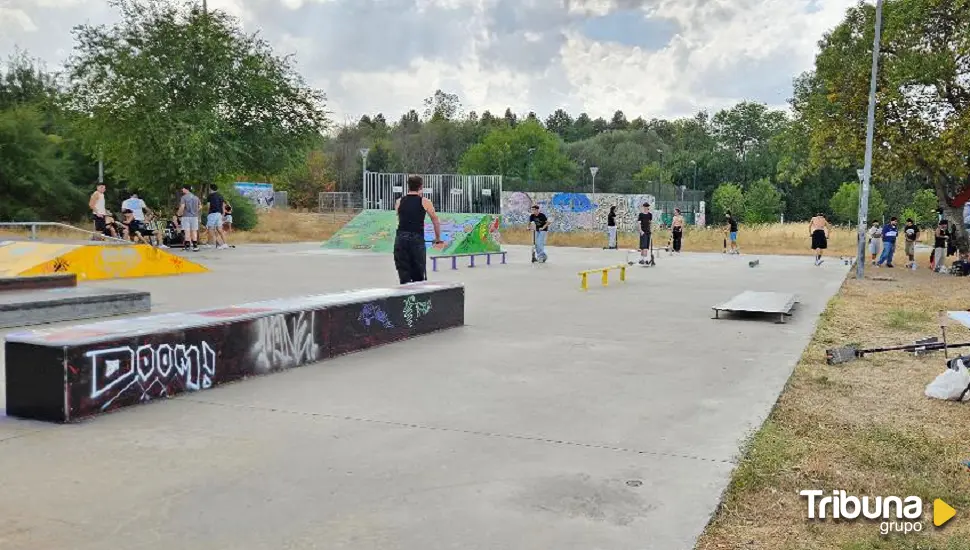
<point>222,247</point>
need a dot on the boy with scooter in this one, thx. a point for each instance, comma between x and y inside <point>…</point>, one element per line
<point>539,224</point>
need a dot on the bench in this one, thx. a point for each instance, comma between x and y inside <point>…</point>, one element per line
<point>67,373</point>
<point>471,256</point>
<point>53,305</point>
<point>779,303</point>
<point>38,282</point>
<point>583,284</point>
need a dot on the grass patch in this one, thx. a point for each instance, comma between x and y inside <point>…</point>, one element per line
<point>905,319</point>
<point>864,427</point>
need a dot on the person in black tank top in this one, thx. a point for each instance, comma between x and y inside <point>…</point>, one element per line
<point>410,254</point>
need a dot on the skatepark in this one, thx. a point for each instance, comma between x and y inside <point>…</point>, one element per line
<point>553,418</point>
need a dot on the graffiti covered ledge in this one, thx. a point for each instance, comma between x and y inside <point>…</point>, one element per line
<point>66,374</point>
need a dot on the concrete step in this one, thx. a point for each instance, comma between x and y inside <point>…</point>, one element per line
<point>37,282</point>
<point>35,307</point>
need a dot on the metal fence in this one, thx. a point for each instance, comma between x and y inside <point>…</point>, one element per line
<point>453,193</point>
<point>340,201</point>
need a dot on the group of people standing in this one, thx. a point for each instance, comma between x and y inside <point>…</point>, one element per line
<point>140,224</point>
<point>882,243</point>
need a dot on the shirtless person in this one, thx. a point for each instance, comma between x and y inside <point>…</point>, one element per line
<point>98,212</point>
<point>819,230</point>
<point>410,254</point>
<point>677,229</point>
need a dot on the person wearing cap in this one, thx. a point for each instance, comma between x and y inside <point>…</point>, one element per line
<point>645,220</point>
<point>539,223</point>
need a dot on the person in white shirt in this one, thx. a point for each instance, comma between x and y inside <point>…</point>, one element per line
<point>137,207</point>
<point>98,212</point>
<point>875,239</point>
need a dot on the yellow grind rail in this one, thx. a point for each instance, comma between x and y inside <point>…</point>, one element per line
<point>584,281</point>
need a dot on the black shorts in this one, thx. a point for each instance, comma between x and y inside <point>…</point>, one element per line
<point>645,241</point>
<point>99,224</point>
<point>819,240</point>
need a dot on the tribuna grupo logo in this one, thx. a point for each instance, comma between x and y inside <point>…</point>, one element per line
<point>894,514</point>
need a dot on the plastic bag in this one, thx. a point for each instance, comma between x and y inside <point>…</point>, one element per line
<point>951,385</point>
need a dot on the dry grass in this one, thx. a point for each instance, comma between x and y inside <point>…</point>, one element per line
<point>864,427</point>
<point>789,238</point>
<point>285,226</point>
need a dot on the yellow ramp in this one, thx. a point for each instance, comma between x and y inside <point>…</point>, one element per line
<point>100,261</point>
<point>17,257</point>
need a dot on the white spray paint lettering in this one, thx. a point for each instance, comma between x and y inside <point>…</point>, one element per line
<point>150,370</point>
<point>282,344</point>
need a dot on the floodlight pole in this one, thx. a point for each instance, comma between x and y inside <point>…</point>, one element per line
<point>870,130</point>
<point>363,175</point>
<point>593,170</point>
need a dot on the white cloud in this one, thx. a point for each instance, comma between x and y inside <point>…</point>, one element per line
<point>387,55</point>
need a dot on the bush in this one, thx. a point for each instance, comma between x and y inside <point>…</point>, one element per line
<point>727,197</point>
<point>244,216</point>
<point>845,204</point>
<point>762,203</point>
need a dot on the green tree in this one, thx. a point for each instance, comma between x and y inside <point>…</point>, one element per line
<point>923,100</point>
<point>762,203</point>
<point>924,207</point>
<point>505,151</point>
<point>170,95</point>
<point>845,204</point>
<point>728,197</point>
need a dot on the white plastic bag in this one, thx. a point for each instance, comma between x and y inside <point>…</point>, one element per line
<point>951,384</point>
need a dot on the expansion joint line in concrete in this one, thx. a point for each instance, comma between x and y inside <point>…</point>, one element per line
<point>562,442</point>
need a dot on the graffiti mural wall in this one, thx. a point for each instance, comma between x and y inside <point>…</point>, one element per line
<point>578,212</point>
<point>462,233</point>
<point>260,194</point>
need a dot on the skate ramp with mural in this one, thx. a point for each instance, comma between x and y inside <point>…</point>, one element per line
<point>462,233</point>
<point>90,261</point>
<point>583,211</point>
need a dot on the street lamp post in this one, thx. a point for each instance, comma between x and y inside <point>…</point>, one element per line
<point>532,151</point>
<point>694,186</point>
<point>593,170</point>
<point>870,130</point>
<point>363,175</point>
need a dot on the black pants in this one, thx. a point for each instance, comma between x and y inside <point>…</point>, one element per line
<point>410,257</point>
<point>678,237</point>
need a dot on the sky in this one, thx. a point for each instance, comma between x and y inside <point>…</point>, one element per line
<point>650,58</point>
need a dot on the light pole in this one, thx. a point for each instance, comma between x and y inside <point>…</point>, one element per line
<point>694,164</point>
<point>860,257</point>
<point>532,150</point>
<point>363,175</point>
<point>593,170</point>
<point>661,151</point>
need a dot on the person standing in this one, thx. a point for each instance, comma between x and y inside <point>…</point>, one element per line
<point>410,253</point>
<point>645,220</point>
<point>889,233</point>
<point>611,227</point>
<point>818,229</point>
<point>875,237</point>
<point>189,207</point>
<point>911,235</point>
<point>677,230</point>
<point>732,229</point>
<point>939,246</point>
<point>98,211</point>
<point>539,223</point>
<point>213,222</point>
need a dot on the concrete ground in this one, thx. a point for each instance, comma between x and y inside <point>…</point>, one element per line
<point>555,419</point>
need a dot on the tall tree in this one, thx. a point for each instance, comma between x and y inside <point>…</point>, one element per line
<point>171,95</point>
<point>442,106</point>
<point>923,96</point>
<point>506,151</point>
<point>561,123</point>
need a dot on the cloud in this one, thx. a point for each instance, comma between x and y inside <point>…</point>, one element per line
<point>667,58</point>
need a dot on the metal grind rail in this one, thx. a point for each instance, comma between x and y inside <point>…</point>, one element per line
<point>34,225</point>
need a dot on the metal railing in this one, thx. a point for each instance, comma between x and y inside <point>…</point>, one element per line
<point>34,225</point>
<point>455,193</point>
